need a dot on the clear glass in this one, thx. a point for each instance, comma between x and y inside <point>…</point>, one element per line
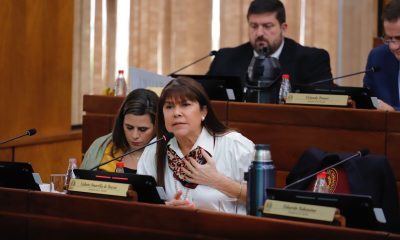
<point>57,182</point>
<point>228,205</point>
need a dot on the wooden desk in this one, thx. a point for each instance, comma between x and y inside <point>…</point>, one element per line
<point>41,215</point>
<point>289,129</point>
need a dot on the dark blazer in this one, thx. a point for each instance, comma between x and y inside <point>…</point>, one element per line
<point>303,64</point>
<point>368,175</point>
<point>383,83</point>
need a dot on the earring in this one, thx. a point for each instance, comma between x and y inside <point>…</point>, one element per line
<point>202,118</point>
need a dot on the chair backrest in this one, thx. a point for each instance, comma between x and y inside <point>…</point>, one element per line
<point>368,175</point>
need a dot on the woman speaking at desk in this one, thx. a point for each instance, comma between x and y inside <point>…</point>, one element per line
<point>133,128</point>
<point>205,161</point>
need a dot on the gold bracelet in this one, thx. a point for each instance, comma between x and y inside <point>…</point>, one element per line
<point>240,190</point>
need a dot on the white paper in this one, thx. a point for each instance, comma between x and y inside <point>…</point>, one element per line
<point>375,102</point>
<point>380,215</point>
<point>139,78</point>
<point>37,178</point>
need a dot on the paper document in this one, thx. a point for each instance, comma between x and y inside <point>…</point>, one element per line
<point>139,78</point>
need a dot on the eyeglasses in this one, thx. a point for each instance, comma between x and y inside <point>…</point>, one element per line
<point>390,40</point>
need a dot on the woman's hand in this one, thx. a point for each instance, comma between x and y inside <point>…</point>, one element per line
<point>178,202</point>
<point>206,174</point>
<point>384,106</point>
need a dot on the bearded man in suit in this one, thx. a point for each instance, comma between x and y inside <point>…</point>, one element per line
<point>267,27</point>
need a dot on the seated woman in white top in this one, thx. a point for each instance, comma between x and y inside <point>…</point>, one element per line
<point>205,160</point>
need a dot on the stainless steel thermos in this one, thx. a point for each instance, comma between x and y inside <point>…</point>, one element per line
<point>260,176</point>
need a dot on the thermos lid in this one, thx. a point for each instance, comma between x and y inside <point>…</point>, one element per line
<point>262,146</point>
<point>262,153</point>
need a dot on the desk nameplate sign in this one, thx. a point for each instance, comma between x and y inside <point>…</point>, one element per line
<point>299,210</point>
<point>99,187</point>
<point>317,99</point>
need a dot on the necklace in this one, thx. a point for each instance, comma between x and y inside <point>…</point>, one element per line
<point>186,189</point>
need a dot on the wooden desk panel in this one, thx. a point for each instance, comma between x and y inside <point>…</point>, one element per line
<point>111,211</point>
<point>51,215</point>
<point>289,142</point>
<point>14,200</point>
<point>235,227</point>
<point>221,110</point>
<point>339,118</point>
<point>62,228</point>
<point>13,226</point>
<point>393,152</point>
<point>102,104</point>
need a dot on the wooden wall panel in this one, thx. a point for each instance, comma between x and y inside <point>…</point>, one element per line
<point>52,157</point>
<point>35,66</point>
<point>6,154</point>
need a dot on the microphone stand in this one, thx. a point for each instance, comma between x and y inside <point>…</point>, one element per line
<point>165,138</point>
<point>372,69</point>
<point>212,53</point>
<point>30,132</point>
<point>360,153</point>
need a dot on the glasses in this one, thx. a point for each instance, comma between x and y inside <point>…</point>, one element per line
<point>390,40</point>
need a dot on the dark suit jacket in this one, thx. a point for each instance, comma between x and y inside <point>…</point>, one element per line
<point>368,175</point>
<point>384,83</point>
<point>303,64</point>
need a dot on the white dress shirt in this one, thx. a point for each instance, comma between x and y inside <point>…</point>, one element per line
<point>232,154</point>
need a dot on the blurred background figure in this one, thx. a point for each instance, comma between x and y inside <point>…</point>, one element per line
<point>384,84</point>
<point>134,127</point>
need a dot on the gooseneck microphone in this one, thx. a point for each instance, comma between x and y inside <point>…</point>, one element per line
<point>360,153</point>
<point>371,69</point>
<point>165,138</point>
<point>212,53</point>
<point>29,132</point>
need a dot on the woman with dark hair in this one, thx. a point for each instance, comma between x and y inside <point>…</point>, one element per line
<point>134,127</point>
<point>205,161</point>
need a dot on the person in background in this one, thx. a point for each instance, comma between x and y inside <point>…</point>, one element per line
<point>205,161</point>
<point>134,127</point>
<point>384,84</point>
<point>266,29</point>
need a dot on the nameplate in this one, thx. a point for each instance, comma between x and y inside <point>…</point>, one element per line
<point>99,187</point>
<point>317,99</point>
<point>299,210</point>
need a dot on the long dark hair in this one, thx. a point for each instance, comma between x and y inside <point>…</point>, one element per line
<point>138,102</point>
<point>183,88</point>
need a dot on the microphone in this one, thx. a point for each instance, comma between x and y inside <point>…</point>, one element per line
<point>29,132</point>
<point>212,53</point>
<point>371,69</point>
<point>360,153</point>
<point>165,138</point>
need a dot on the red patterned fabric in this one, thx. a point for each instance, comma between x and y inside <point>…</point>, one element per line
<point>176,164</point>
<point>337,180</point>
